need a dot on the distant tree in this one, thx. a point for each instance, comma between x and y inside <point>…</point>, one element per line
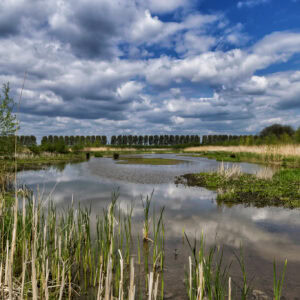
<point>104,139</point>
<point>8,122</point>
<point>187,139</point>
<point>113,140</point>
<point>172,140</point>
<point>88,140</point>
<point>71,140</point>
<point>130,140</point>
<point>93,139</point>
<point>98,140</point>
<point>166,140</point>
<point>82,140</point>
<point>125,140</point>
<point>119,140</point>
<point>135,140</point>
<point>44,140</point>
<point>297,135</point>
<point>67,140</point>
<point>177,139</point>
<point>182,139</point>
<point>141,140</point>
<point>151,140</point>
<point>32,140</point>
<point>156,140</point>
<point>161,140</point>
<point>77,140</point>
<point>278,130</point>
<point>146,140</point>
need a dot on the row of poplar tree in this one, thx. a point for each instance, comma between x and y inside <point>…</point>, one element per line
<point>147,140</point>
<point>75,140</point>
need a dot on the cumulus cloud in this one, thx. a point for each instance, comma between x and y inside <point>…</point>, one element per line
<point>124,68</point>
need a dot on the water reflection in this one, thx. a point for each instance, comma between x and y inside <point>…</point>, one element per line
<point>265,233</point>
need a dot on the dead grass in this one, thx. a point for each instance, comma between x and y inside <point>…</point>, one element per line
<point>229,171</point>
<point>285,150</point>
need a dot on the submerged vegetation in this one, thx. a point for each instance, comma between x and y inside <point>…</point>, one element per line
<point>261,189</point>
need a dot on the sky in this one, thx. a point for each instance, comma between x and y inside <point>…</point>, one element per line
<point>109,67</point>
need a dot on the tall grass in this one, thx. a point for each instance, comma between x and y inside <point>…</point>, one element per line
<point>50,254</point>
<point>60,255</point>
<point>229,171</point>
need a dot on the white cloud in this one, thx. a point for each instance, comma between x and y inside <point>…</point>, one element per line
<point>251,3</point>
<point>122,65</point>
<point>177,120</point>
<point>159,6</point>
<point>129,89</point>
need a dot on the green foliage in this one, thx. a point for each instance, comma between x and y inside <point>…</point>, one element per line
<point>278,283</point>
<point>277,130</point>
<point>8,122</point>
<point>281,190</point>
<point>297,135</point>
<point>77,148</point>
<point>98,154</point>
<point>58,146</point>
<point>36,150</point>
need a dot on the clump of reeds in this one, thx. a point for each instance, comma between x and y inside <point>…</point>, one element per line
<point>52,255</point>
<point>229,171</point>
<point>278,283</point>
<point>265,173</point>
<point>207,277</point>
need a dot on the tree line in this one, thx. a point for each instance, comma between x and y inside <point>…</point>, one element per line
<point>154,140</point>
<point>75,140</point>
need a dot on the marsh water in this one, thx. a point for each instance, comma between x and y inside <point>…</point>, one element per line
<point>265,233</point>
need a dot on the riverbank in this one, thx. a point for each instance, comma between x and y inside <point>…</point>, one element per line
<point>234,187</point>
<point>36,162</point>
<point>280,155</point>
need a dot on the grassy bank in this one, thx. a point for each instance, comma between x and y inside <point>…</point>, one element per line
<point>234,187</point>
<point>32,162</point>
<point>281,155</point>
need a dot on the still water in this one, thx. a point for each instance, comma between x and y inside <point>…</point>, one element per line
<point>265,233</point>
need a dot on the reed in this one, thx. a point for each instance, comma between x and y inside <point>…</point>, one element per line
<point>55,255</point>
<point>50,254</point>
<point>278,283</point>
<point>229,171</point>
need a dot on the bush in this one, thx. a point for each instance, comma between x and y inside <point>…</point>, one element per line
<point>77,148</point>
<point>277,130</point>
<point>36,150</point>
<point>98,154</point>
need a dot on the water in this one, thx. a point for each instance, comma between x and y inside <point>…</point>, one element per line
<point>265,233</point>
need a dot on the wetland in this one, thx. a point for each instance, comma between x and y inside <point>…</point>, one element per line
<point>265,233</point>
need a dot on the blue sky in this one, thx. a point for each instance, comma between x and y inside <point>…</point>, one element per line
<point>151,66</point>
